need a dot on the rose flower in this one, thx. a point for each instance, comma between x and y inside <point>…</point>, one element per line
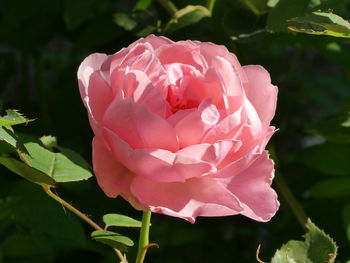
<point>181,128</point>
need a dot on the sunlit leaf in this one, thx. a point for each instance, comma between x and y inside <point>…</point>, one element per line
<point>319,23</point>
<point>13,117</point>
<point>55,164</point>
<point>112,239</point>
<point>317,247</point>
<point>187,16</point>
<point>7,135</point>
<point>120,220</point>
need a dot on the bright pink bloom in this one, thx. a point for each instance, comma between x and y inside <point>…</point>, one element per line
<point>181,129</point>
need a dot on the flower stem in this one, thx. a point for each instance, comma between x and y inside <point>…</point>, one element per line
<point>210,5</point>
<point>48,191</point>
<point>169,6</point>
<point>144,233</point>
<point>288,195</point>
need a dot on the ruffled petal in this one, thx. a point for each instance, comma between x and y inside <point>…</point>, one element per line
<point>195,197</point>
<point>139,127</point>
<point>112,176</point>
<point>192,128</point>
<point>261,93</point>
<point>157,164</point>
<point>211,153</point>
<point>253,188</point>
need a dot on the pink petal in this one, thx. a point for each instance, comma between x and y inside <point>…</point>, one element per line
<point>211,153</point>
<point>183,52</point>
<point>261,93</point>
<point>137,86</point>
<point>90,64</point>
<point>111,175</point>
<point>157,164</point>
<point>139,127</point>
<point>226,128</point>
<point>195,197</point>
<point>193,127</point>
<point>156,41</point>
<point>99,96</point>
<point>253,188</point>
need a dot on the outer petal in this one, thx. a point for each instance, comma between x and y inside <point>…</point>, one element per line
<point>195,197</point>
<point>253,188</point>
<point>261,93</point>
<point>139,127</point>
<point>90,64</point>
<point>112,176</point>
<point>156,164</point>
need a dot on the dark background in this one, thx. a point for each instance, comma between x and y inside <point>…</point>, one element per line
<point>42,43</point>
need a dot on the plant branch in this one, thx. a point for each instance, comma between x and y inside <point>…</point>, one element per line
<point>210,5</point>
<point>48,191</point>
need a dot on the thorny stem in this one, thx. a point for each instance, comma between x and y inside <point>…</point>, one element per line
<point>143,241</point>
<point>48,191</point>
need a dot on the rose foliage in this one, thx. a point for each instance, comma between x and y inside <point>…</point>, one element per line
<point>181,128</point>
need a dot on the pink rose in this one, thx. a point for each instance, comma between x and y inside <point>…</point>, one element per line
<point>181,128</point>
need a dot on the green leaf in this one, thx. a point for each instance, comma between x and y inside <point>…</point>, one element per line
<point>27,172</point>
<point>331,188</point>
<point>319,23</point>
<point>112,239</point>
<point>120,220</point>
<point>142,4</point>
<point>317,247</point>
<point>327,158</point>
<point>335,128</point>
<point>140,22</point>
<point>13,117</point>
<point>57,165</point>
<point>187,16</point>
<point>285,10</point>
<point>258,7</point>
<point>7,135</point>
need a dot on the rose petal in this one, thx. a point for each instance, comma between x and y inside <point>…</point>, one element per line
<point>139,127</point>
<point>99,96</point>
<point>156,164</point>
<point>261,93</point>
<point>253,188</point>
<point>111,176</point>
<point>193,127</point>
<point>90,64</point>
<point>195,197</point>
<point>137,86</point>
<point>211,153</point>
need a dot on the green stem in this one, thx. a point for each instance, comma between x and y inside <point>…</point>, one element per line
<point>144,233</point>
<point>169,6</point>
<point>48,191</point>
<point>210,5</point>
<point>288,195</point>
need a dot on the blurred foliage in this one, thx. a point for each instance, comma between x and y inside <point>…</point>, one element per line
<point>42,43</point>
